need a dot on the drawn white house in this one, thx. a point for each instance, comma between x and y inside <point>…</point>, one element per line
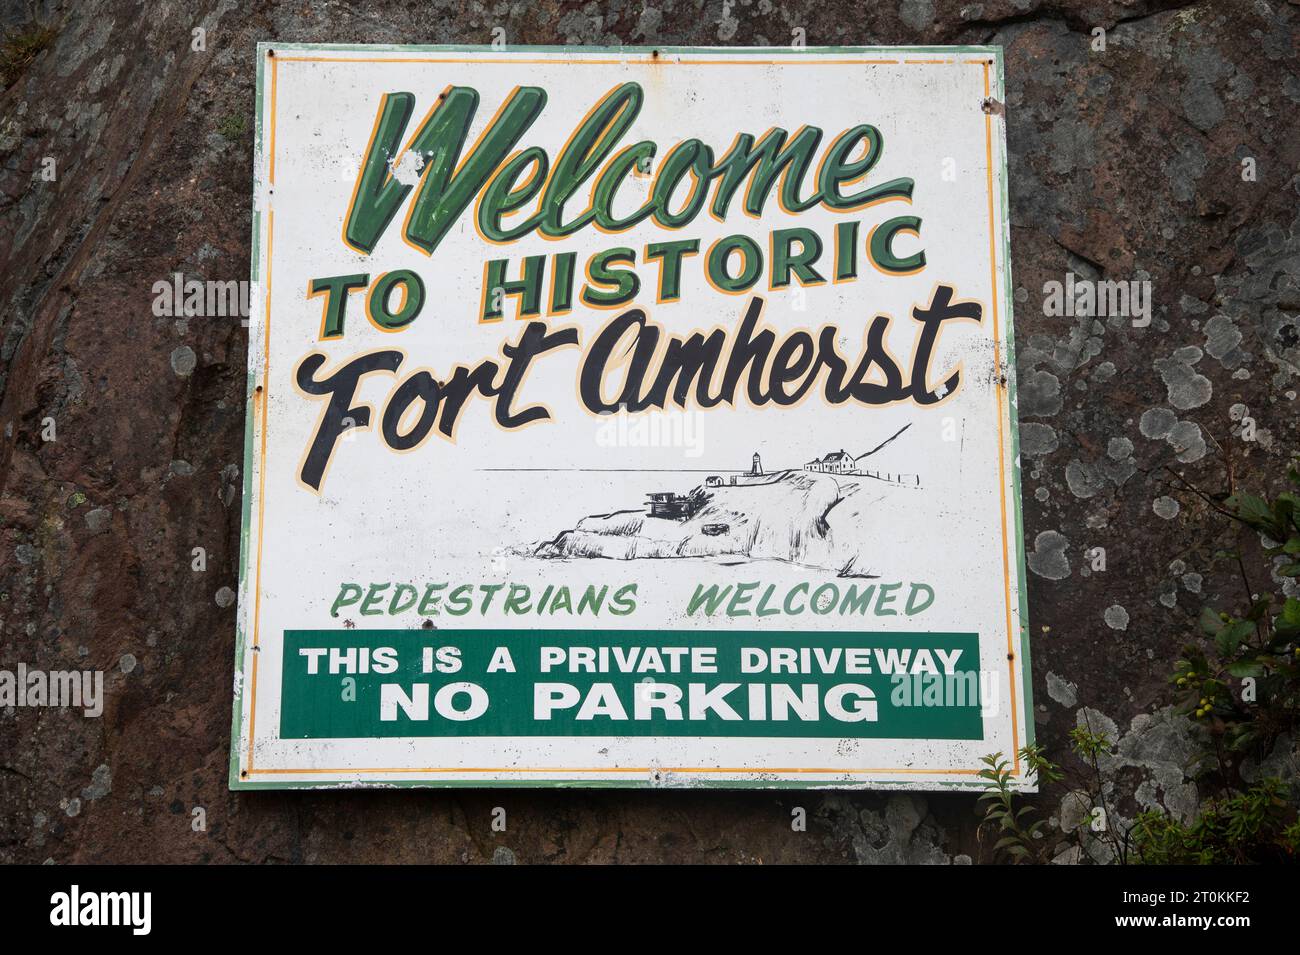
<point>836,462</point>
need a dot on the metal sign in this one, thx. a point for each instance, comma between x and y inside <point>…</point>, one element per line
<point>630,417</point>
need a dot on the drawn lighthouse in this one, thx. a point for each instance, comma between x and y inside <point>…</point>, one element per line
<point>758,465</point>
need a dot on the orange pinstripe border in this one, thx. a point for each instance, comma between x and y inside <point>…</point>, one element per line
<point>638,769</point>
<point>641,61</point>
<point>645,61</point>
<point>1011,658</point>
<point>1000,390</point>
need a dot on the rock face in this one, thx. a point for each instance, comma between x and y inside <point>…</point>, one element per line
<point>1171,155</point>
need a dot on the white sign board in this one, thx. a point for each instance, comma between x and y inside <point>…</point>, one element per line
<point>630,418</point>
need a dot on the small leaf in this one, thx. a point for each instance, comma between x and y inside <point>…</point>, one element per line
<point>1260,607</point>
<point>1245,668</point>
<point>1291,610</point>
<point>1230,637</point>
<point>1251,509</point>
<point>1210,621</point>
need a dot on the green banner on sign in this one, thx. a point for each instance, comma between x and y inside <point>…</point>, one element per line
<point>405,683</point>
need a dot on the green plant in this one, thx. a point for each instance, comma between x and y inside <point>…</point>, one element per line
<point>1041,768</point>
<point>1022,838</point>
<point>1244,684</point>
<point>1090,747</point>
<point>20,47</point>
<point>1256,826</point>
<point>1020,835</point>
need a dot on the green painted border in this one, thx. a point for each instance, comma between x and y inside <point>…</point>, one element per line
<point>1008,310</point>
<point>693,786</point>
<point>245,526</point>
<point>522,49</point>
<point>999,91</point>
